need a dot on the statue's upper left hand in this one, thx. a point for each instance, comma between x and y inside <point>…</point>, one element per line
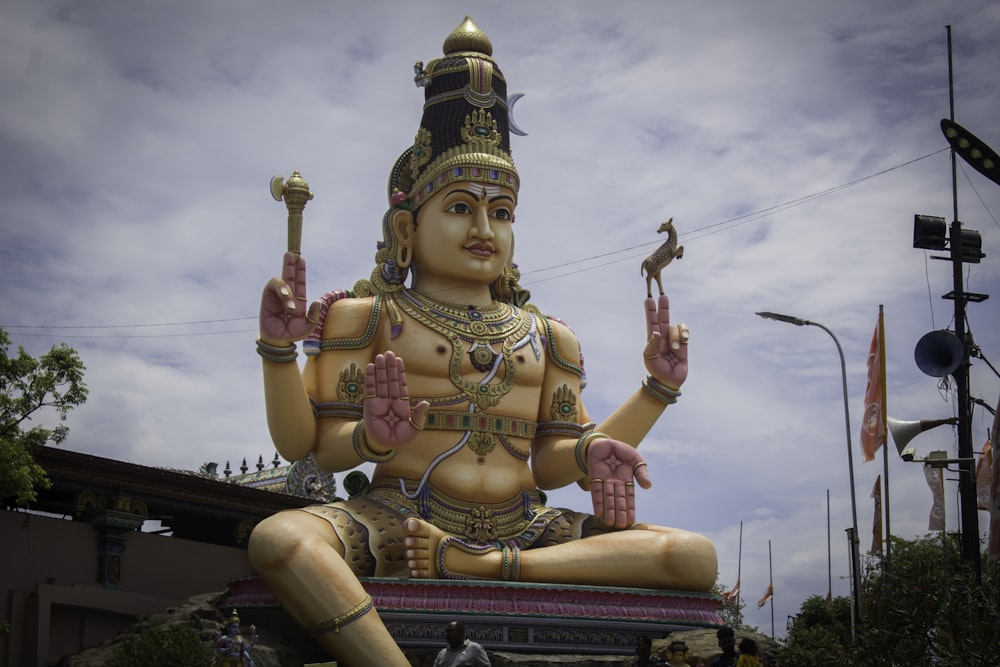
<point>666,351</point>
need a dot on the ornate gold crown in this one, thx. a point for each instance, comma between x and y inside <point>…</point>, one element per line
<point>464,132</point>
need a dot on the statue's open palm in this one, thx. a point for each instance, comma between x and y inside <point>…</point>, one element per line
<point>389,420</point>
<point>614,468</point>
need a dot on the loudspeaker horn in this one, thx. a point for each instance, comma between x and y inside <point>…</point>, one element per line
<point>904,431</point>
<point>938,353</point>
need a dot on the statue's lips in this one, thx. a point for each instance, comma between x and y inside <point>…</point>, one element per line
<point>480,250</point>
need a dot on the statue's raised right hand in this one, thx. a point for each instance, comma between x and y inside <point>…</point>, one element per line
<point>390,422</point>
<point>284,317</point>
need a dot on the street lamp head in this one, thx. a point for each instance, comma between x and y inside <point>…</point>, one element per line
<point>797,321</point>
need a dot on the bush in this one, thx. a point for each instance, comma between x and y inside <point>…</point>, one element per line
<point>164,646</point>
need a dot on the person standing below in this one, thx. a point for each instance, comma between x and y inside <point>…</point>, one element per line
<point>727,642</point>
<point>460,652</point>
<point>748,653</point>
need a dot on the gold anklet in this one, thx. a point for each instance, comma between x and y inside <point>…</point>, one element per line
<point>345,619</point>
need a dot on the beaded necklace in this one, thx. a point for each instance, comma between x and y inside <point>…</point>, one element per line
<point>480,329</point>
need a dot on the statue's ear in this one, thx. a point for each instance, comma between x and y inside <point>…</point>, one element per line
<point>404,225</point>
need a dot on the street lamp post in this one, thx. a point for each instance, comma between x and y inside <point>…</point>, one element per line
<point>855,554</point>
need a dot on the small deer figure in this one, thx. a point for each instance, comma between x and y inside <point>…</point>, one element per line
<point>666,253</point>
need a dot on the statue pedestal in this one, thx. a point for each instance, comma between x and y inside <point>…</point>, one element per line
<point>519,617</point>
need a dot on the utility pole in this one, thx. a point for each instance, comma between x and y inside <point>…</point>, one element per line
<point>967,475</point>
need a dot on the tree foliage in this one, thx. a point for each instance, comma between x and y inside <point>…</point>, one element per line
<point>731,610</point>
<point>163,646</point>
<point>928,605</point>
<point>29,387</point>
<point>926,608</point>
<point>820,635</point>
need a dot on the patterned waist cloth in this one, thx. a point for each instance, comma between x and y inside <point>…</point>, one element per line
<point>521,518</point>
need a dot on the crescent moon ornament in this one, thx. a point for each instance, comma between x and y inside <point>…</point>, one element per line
<point>511,100</point>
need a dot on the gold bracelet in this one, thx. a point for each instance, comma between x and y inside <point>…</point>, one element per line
<point>661,392</point>
<point>364,452</point>
<point>275,354</point>
<point>582,446</point>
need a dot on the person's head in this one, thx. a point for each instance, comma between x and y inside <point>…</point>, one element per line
<point>748,646</point>
<point>454,633</point>
<point>727,640</point>
<point>643,646</point>
<point>677,652</point>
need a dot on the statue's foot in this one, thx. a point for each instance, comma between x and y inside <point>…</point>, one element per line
<point>434,554</point>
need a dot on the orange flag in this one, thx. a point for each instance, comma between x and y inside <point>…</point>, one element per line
<point>877,520</point>
<point>731,594</point>
<point>873,421</point>
<point>768,594</point>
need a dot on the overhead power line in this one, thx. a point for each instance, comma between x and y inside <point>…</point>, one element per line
<point>618,255</point>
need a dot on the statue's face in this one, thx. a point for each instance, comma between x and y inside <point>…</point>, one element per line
<point>463,235</point>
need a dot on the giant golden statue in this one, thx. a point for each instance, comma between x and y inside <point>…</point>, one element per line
<point>485,411</point>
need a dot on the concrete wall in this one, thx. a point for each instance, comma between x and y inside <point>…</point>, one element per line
<point>52,598</point>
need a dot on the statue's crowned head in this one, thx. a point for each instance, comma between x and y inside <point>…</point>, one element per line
<point>463,137</point>
<point>464,133</point>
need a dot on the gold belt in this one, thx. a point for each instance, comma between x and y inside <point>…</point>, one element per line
<point>459,420</point>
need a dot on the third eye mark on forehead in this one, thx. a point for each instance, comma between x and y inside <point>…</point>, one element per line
<point>479,191</point>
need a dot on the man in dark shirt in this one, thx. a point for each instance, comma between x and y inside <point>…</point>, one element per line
<point>727,642</point>
<point>460,651</point>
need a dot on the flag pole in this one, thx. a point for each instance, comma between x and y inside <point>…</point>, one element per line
<point>885,432</point>
<point>739,565</point>
<point>829,553</point>
<point>770,570</point>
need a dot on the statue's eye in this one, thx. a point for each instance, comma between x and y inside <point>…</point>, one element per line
<point>460,207</point>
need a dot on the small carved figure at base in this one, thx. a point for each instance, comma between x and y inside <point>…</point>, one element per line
<point>231,647</point>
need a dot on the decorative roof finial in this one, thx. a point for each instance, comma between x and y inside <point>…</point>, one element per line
<point>467,37</point>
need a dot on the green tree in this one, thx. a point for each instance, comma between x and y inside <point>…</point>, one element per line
<point>930,607</point>
<point>731,610</point>
<point>163,646</point>
<point>52,382</point>
<point>820,635</point>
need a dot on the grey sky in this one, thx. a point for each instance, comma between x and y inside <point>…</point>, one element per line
<point>137,140</point>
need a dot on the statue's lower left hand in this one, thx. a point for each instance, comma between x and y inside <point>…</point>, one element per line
<point>614,468</point>
<point>389,420</point>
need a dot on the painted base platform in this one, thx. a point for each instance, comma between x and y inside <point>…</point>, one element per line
<point>519,617</point>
